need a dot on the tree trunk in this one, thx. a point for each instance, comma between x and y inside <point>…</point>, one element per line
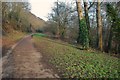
<point>109,41</point>
<point>83,38</point>
<point>99,27</point>
<point>86,14</point>
<point>80,15</point>
<point>87,17</point>
<point>58,22</point>
<point>79,8</point>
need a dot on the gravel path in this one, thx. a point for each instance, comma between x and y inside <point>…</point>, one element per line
<point>26,62</point>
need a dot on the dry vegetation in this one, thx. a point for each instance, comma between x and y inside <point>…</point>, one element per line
<point>10,39</point>
<point>35,21</point>
<point>17,20</point>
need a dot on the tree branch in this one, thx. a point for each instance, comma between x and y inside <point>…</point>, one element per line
<point>91,5</point>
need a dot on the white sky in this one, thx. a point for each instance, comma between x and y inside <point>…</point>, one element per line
<point>41,8</point>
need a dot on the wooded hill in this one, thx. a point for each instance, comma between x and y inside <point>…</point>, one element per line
<point>17,16</point>
<point>36,22</point>
<point>17,20</point>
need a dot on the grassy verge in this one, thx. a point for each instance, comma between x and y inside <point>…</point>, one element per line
<point>10,39</point>
<point>74,63</point>
<point>40,34</point>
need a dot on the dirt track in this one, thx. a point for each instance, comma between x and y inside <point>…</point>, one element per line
<point>26,62</point>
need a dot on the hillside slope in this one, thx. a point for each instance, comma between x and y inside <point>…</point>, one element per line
<point>74,63</point>
<point>35,21</point>
<point>16,23</point>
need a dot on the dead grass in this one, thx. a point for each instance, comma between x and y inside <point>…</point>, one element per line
<point>10,39</point>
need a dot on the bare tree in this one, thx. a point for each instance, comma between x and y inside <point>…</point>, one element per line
<point>99,27</point>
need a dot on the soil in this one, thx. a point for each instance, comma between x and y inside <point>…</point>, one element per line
<point>26,62</point>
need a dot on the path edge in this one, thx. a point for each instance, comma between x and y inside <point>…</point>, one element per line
<point>3,59</point>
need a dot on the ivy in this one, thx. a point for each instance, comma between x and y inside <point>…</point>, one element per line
<point>83,37</point>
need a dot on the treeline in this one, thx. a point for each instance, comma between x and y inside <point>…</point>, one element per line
<point>17,16</point>
<point>90,24</point>
<point>14,16</point>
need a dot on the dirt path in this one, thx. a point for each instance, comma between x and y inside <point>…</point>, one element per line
<point>25,62</point>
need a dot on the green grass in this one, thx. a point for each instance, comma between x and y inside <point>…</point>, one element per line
<point>40,35</point>
<point>71,62</point>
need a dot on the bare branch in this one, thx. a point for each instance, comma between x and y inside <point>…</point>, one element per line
<point>91,5</point>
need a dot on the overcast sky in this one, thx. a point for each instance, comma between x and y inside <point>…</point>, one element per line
<point>41,8</point>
